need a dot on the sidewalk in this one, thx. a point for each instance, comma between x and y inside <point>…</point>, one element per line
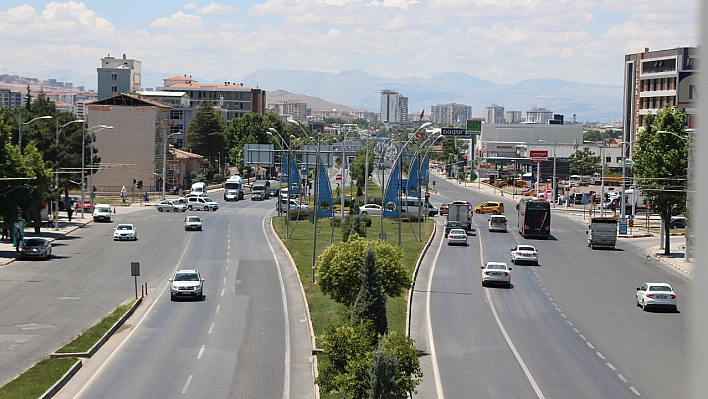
<point>675,260</point>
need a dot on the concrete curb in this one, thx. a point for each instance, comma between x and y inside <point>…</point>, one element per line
<point>658,256</point>
<point>304,300</point>
<point>54,389</point>
<point>103,339</point>
<point>415,275</point>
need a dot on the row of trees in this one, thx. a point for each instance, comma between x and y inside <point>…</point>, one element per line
<point>27,177</point>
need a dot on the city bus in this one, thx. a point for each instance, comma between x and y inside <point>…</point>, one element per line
<point>534,217</point>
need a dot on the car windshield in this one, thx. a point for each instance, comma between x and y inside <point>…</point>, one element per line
<point>526,248</point>
<point>124,227</point>
<point>208,200</point>
<point>660,288</point>
<point>186,277</point>
<point>193,219</point>
<point>34,242</point>
<point>102,209</point>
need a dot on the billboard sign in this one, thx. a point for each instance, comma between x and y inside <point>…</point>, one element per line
<point>538,155</point>
<point>454,132</point>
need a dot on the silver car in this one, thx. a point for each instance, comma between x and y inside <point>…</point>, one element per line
<point>38,248</point>
<point>192,223</point>
<point>187,282</point>
<point>496,273</point>
<point>171,206</point>
<point>125,232</point>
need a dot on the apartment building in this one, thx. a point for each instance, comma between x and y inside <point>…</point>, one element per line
<point>180,112</point>
<point>539,115</point>
<point>450,114</point>
<point>10,99</point>
<point>394,107</point>
<point>494,114</point>
<point>513,117</point>
<point>655,79</point>
<point>292,108</point>
<point>118,76</point>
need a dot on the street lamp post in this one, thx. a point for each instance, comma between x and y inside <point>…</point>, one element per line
<point>19,140</point>
<point>316,193</point>
<point>56,175</point>
<point>287,173</point>
<point>164,162</point>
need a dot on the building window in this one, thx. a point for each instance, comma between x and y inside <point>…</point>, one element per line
<point>619,160</point>
<point>114,89</point>
<point>114,77</point>
<point>179,143</point>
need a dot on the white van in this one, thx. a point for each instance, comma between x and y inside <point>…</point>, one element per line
<point>198,188</point>
<point>410,205</point>
<point>102,212</point>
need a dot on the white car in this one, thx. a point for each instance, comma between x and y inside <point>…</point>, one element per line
<point>187,282</point>
<point>102,212</point>
<point>496,273</point>
<point>370,209</point>
<point>125,231</point>
<point>171,206</point>
<point>498,223</point>
<point>524,253</point>
<point>457,237</point>
<point>656,295</point>
<point>193,223</point>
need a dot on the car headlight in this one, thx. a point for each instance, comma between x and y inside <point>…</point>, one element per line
<point>174,287</point>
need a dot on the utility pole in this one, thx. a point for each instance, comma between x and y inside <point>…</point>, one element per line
<point>400,183</point>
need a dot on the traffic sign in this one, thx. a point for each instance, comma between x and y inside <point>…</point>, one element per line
<point>538,155</point>
<point>474,126</point>
<point>454,132</point>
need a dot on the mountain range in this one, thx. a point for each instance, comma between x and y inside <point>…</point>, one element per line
<point>359,90</point>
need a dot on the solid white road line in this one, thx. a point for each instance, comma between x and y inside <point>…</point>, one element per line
<point>535,386</point>
<point>431,339</point>
<point>286,320</point>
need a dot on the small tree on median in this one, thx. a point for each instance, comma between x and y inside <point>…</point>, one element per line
<point>371,302</point>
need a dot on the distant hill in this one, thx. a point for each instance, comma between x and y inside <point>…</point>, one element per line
<point>360,90</point>
<point>314,103</point>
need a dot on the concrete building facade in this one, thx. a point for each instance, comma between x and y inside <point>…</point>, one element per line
<point>450,114</point>
<point>494,114</point>
<point>394,107</point>
<point>292,108</point>
<point>655,79</point>
<point>513,117</point>
<point>118,76</point>
<point>539,115</point>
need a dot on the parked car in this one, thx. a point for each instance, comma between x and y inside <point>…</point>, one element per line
<point>187,282</point>
<point>678,222</point>
<point>457,237</point>
<point>192,223</point>
<point>370,209</point>
<point>125,231</point>
<point>201,203</point>
<point>339,176</point>
<point>493,207</point>
<point>38,248</point>
<point>496,273</point>
<point>656,295</point>
<point>444,208</point>
<point>171,206</point>
<point>524,253</point>
<point>102,213</point>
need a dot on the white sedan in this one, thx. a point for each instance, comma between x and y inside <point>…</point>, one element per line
<point>457,237</point>
<point>496,273</point>
<point>125,232</point>
<point>171,206</point>
<point>370,209</point>
<point>656,295</point>
<point>524,253</point>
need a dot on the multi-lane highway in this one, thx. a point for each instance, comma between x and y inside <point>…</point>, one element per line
<point>568,328</point>
<point>249,337</point>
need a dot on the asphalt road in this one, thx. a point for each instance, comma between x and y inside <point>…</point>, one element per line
<point>568,328</point>
<point>248,337</point>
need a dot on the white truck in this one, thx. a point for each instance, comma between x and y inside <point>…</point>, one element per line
<point>602,233</point>
<point>460,211</point>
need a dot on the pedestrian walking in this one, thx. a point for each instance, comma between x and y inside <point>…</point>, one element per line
<point>69,212</point>
<point>50,220</point>
<point>18,239</point>
<point>5,230</point>
<point>174,188</point>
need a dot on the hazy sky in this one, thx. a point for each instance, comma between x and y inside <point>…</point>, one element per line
<point>504,41</point>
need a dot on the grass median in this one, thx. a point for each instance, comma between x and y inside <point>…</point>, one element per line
<point>34,382</point>
<point>323,310</point>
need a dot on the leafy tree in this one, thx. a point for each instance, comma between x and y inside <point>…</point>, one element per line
<point>383,376</point>
<point>449,153</point>
<point>346,228</point>
<point>661,164</point>
<point>205,133</point>
<point>358,227</point>
<point>584,162</point>
<point>253,129</point>
<point>370,304</point>
<point>338,269</point>
<point>358,167</point>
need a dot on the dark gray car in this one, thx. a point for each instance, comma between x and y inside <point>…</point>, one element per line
<point>38,248</point>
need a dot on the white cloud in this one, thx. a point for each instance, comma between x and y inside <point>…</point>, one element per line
<point>216,9</point>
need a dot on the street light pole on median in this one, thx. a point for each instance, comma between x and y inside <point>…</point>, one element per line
<point>56,175</point>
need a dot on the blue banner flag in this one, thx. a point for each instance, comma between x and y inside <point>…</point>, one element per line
<point>390,203</point>
<point>284,169</point>
<point>294,176</point>
<point>324,193</point>
<point>424,171</point>
<point>412,189</point>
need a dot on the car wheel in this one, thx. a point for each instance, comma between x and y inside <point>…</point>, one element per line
<point>159,209</point>
<point>483,284</point>
<point>495,213</point>
<point>478,211</point>
<point>363,213</point>
<point>189,207</point>
<point>644,306</point>
<point>513,261</point>
<point>206,209</point>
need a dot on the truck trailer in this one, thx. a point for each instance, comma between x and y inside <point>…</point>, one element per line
<point>602,233</point>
